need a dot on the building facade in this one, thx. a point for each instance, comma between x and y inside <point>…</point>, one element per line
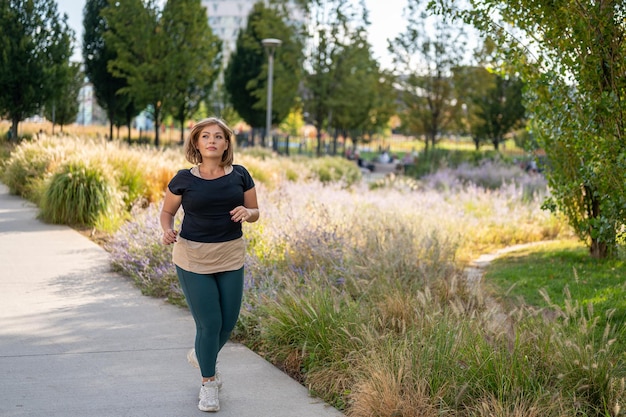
<point>227,17</point>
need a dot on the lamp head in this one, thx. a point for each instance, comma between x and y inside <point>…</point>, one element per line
<point>271,42</point>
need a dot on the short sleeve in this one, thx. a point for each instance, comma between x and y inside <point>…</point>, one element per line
<point>179,183</point>
<point>248,182</point>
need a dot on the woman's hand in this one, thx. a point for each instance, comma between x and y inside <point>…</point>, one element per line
<point>169,236</point>
<point>240,214</point>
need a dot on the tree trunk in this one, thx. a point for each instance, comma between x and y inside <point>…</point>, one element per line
<point>319,141</point>
<point>335,140</point>
<point>496,143</point>
<point>598,250</point>
<point>157,125</point>
<point>110,126</point>
<point>13,132</point>
<point>182,131</point>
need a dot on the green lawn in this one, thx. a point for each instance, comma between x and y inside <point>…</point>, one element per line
<point>554,267</point>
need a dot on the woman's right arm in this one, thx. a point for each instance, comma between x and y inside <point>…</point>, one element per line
<point>171,204</point>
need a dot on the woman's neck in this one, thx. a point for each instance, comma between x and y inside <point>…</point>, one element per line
<point>210,170</point>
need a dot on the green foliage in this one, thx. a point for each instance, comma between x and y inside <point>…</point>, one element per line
<point>363,98</point>
<point>426,53</point>
<point>523,139</point>
<point>335,169</point>
<point>337,54</point>
<point>196,57</point>
<point>63,107</point>
<point>132,181</point>
<point>143,58</point>
<point>167,59</point>
<point>97,53</point>
<point>245,65</point>
<point>493,104</point>
<point>137,176</point>
<point>538,271</point>
<point>571,56</point>
<point>246,75</point>
<point>28,164</point>
<point>78,194</point>
<point>419,353</point>
<point>584,172</point>
<point>36,46</point>
<point>439,158</point>
<point>311,324</point>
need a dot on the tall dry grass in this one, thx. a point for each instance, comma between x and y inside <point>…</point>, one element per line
<point>138,174</point>
<point>359,291</point>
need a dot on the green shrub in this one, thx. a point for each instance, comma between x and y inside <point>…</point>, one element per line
<point>258,152</point>
<point>131,177</point>
<point>310,333</point>
<point>334,169</point>
<point>78,194</point>
<point>29,163</point>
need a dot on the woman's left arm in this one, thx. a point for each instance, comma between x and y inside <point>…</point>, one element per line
<point>249,212</point>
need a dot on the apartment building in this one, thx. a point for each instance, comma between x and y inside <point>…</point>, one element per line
<point>227,17</point>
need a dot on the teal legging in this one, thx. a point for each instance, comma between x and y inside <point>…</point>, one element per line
<point>214,301</point>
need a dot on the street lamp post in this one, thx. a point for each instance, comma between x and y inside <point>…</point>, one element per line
<point>270,45</point>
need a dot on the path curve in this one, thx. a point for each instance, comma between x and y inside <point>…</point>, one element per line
<point>474,274</point>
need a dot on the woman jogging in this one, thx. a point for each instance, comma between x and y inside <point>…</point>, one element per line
<point>217,197</point>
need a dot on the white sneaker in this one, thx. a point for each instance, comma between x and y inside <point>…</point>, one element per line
<point>193,361</point>
<point>209,397</point>
<point>218,378</point>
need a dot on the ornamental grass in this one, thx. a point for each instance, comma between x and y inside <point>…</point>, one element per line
<point>357,289</point>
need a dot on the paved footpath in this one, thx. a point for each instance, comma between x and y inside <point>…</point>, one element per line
<point>77,340</point>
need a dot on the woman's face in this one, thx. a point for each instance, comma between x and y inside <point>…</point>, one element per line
<point>212,142</point>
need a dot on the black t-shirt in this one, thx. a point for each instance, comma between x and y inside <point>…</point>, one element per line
<point>207,204</point>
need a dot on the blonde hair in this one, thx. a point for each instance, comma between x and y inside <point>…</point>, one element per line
<point>191,144</point>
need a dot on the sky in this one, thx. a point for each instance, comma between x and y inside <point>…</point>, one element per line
<point>385,15</point>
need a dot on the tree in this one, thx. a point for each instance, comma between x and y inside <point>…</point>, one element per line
<point>576,78</point>
<point>142,57</point>
<point>292,125</point>
<point>62,108</point>
<point>96,56</point>
<point>363,99</point>
<point>425,55</point>
<point>246,75</point>
<point>500,106</point>
<point>493,103</point>
<point>332,29</point>
<point>35,42</point>
<point>501,109</point>
<point>195,57</point>
<point>471,84</point>
<point>245,65</point>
